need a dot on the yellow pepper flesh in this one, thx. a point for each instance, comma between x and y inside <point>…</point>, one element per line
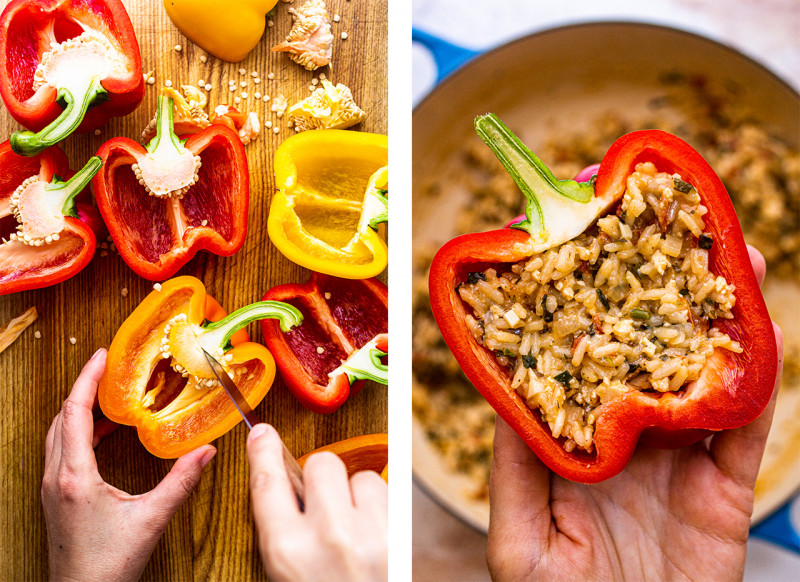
<point>315,218</point>
<point>227,30</point>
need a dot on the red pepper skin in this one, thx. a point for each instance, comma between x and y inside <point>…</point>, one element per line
<point>24,267</point>
<point>355,313</point>
<point>733,389</point>
<point>25,36</point>
<point>141,226</point>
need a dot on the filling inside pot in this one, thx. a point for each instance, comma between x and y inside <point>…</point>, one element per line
<point>627,305</point>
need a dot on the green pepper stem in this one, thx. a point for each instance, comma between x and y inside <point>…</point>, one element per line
<point>365,364</point>
<point>219,333</point>
<point>165,137</point>
<point>547,197</point>
<point>376,207</point>
<point>77,101</point>
<point>72,187</point>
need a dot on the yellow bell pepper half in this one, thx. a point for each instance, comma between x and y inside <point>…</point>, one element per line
<point>228,30</point>
<point>332,194</point>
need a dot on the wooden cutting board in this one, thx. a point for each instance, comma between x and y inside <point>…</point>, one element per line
<point>212,537</point>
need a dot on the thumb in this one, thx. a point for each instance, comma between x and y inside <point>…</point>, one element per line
<point>175,488</point>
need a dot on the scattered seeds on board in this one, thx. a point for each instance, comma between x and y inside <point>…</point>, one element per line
<point>37,334</point>
<point>237,100</point>
<point>203,58</point>
<point>257,95</point>
<point>320,350</point>
<point>267,124</point>
<point>205,222</point>
<point>157,287</point>
<point>178,48</point>
<point>201,83</point>
<point>73,340</point>
<point>271,76</point>
<point>242,71</point>
<point>97,132</point>
<point>207,87</point>
<point>124,292</point>
<point>327,295</point>
<point>336,18</point>
<point>270,23</point>
<point>151,81</point>
<point>276,129</point>
<point>168,83</point>
<point>344,36</point>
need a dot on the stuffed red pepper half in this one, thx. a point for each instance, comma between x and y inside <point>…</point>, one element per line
<point>620,309</point>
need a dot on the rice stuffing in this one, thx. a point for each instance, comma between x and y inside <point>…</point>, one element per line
<point>627,305</point>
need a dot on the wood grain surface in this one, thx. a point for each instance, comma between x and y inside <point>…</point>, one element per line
<point>212,537</point>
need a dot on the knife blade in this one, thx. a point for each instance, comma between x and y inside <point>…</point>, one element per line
<point>293,469</point>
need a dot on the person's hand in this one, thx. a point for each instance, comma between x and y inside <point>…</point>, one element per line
<point>341,535</point>
<point>670,515</point>
<point>95,531</point>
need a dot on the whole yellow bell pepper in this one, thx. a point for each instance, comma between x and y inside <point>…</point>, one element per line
<point>332,196</point>
<point>227,30</point>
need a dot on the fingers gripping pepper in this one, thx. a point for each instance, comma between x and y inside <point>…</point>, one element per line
<point>158,380</point>
<point>733,386</point>
<point>340,344</point>
<point>46,238</point>
<point>165,202</point>
<point>66,66</point>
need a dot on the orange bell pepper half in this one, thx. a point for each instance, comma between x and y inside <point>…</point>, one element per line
<point>362,453</point>
<point>158,381</point>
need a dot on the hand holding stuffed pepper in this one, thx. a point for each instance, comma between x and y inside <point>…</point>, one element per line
<point>621,308</point>
<point>66,66</point>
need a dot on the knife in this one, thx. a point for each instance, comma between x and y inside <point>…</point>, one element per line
<point>250,419</point>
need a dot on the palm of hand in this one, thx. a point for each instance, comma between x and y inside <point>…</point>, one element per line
<point>671,514</point>
<point>680,514</point>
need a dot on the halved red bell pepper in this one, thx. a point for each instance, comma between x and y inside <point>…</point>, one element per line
<point>46,236</point>
<point>164,203</point>
<point>67,65</point>
<point>340,342</point>
<point>734,387</point>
